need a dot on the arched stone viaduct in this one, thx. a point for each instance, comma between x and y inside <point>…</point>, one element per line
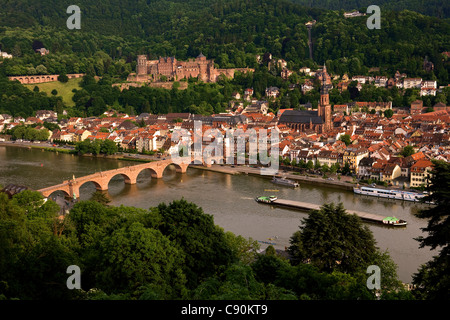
<point>29,79</point>
<point>101,179</point>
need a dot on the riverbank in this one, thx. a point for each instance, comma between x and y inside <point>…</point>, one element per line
<point>346,184</point>
<point>45,146</point>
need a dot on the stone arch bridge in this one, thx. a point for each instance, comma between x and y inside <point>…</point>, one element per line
<point>71,188</point>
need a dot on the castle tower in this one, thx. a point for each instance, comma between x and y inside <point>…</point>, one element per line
<point>141,68</point>
<point>324,110</point>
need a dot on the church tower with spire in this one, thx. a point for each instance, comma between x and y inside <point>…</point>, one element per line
<point>324,109</point>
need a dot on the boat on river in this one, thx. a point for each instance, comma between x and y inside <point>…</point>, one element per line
<point>265,199</point>
<point>393,221</point>
<point>390,194</point>
<point>285,182</point>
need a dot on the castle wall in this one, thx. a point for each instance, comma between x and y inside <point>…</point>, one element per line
<point>199,67</point>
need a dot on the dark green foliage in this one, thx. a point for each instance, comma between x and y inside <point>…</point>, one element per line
<point>114,34</point>
<point>106,147</point>
<point>195,233</point>
<point>20,101</point>
<point>135,256</point>
<point>432,7</point>
<point>332,239</point>
<point>33,258</point>
<point>168,252</point>
<point>433,278</point>
<point>407,151</point>
<point>346,139</point>
<point>63,78</point>
<point>232,33</point>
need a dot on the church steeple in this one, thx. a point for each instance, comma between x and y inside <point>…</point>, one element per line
<point>324,109</point>
<point>324,85</point>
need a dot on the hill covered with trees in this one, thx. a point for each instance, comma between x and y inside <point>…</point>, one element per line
<point>436,8</point>
<point>232,33</point>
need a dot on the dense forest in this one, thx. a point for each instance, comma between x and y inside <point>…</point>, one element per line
<point>436,8</point>
<point>232,33</point>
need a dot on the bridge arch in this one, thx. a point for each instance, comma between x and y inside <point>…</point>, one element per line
<point>127,178</point>
<point>99,185</point>
<point>54,193</point>
<point>153,172</point>
<point>179,167</point>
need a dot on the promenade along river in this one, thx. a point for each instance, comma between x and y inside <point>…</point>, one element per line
<point>229,198</point>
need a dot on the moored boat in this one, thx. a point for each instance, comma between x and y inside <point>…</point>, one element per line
<point>285,182</point>
<point>389,194</point>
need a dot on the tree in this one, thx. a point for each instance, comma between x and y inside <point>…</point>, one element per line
<point>134,256</point>
<point>346,139</point>
<point>317,165</point>
<point>196,234</point>
<point>407,151</point>
<point>245,250</point>
<point>100,197</point>
<point>334,167</point>
<point>63,78</point>
<point>332,240</point>
<point>82,147</point>
<point>108,147</point>
<point>18,132</point>
<point>346,169</point>
<point>31,255</point>
<point>41,69</point>
<point>42,135</point>
<point>308,282</point>
<point>388,113</point>
<point>433,278</point>
<point>237,282</point>
<point>95,146</point>
<point>266,266</point>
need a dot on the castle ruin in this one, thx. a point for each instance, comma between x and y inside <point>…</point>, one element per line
<point>169,68</point>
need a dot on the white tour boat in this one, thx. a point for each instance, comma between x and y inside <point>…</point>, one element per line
<point>390,194</point>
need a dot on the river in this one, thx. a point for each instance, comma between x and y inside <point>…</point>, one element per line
<point>229,198</point>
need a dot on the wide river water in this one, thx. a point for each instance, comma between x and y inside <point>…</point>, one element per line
<point>228,198</point>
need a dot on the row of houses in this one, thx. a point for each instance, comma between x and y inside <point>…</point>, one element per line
<point>368,163</point>
<point>427,87</point>
<point>372,151</point>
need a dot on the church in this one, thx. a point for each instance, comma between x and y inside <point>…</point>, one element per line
<point>318,121</point>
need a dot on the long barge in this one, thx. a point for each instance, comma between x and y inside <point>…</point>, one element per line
<point>370,217</point>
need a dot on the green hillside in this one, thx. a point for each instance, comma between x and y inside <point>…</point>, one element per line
<point>63,89</point>
<point>232,33</point>
<point>436,8</point>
